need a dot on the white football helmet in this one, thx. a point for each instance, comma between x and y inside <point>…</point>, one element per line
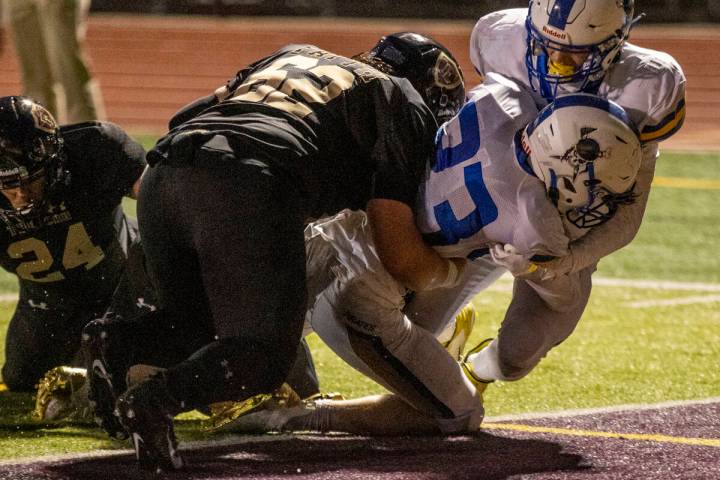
<point>587,152</point>
<point>597,28</point>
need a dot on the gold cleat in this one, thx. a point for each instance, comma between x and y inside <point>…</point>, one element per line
<point>226,415</point>
<point>464,324</point>
<point>62,395</point>
<point>480,384</point>
<point>252,415</point>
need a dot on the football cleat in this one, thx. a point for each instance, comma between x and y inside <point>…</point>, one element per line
<point>480,384</point>
<point>226,416</point>
<point>146,412</point>
<point>263,413</point>
<point>62,394</point>
<point>464,324</point>
<point>104,387</point>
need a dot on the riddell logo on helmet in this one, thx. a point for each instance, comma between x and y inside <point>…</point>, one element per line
<point>554,33</point>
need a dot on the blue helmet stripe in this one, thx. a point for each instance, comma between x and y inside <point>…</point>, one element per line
<point>560,12</point>
<point>582,100</point>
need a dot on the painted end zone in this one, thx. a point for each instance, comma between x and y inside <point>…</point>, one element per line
<point>676,441</point>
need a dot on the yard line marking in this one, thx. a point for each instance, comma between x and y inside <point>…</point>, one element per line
<point>647,437</point>
<point>8,297</point>
<point>671,302</point>
<point>628,407</point>
<point>657,284</point>
<point>504,284</point>
<point>691,183</point>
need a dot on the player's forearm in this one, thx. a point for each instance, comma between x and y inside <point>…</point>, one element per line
<point>402,250</point>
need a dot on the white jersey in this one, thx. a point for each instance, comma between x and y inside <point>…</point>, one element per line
<point>479,191</point>
<point>648,84</point>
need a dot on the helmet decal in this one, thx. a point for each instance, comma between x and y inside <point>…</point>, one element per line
<point>447,73</point>
<point>43,119</point>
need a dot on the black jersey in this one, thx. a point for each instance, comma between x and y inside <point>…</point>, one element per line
<point>341,132</point>
<point>76,249</point>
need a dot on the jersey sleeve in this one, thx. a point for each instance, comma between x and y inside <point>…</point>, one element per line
<point>666,112</point>
<point>404,130</point>
<point>107,160</point>
<point>497,42</point>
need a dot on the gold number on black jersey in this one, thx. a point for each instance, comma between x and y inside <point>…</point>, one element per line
<point>79,251</point>
<point>290,83</point>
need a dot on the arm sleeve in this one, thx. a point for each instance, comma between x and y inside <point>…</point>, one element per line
<point>667,113</point>
<point>119,163</point>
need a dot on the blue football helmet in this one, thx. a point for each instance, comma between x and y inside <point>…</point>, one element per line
<point>593,30</point>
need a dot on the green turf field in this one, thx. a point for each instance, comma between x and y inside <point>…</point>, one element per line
<point>637,343</point>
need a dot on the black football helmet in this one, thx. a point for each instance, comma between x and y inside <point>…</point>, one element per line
<point>428,65</point>
<point>30,146</point>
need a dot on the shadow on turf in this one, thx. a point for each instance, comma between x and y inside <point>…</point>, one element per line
<point>468,457</point>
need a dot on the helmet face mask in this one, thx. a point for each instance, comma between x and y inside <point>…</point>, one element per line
<point>428,65</point>
<point>30,150</point>
<point>598,29</point>
<point>587,152</point>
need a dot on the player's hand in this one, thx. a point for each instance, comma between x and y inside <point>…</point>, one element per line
<point>507,256</point>
<point>556,267</point>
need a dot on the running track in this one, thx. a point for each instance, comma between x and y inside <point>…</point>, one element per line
<point>149,66</point>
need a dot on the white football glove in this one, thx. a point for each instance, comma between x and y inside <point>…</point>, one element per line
<point>507,256</point>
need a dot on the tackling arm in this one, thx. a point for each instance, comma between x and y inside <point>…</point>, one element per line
<point>402,250</point>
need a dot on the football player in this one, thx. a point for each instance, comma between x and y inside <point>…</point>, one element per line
<point>502,177</point>
<point>560,46</point>
<point>64,234</point>
<point>298,135</point>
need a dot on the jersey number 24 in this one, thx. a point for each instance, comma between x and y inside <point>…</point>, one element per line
<point>79,250</point>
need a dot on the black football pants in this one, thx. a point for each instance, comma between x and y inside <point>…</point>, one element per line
<point>224,247</point>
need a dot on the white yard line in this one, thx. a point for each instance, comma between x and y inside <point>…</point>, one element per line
<point>671,302</point>
<point>657,284</point>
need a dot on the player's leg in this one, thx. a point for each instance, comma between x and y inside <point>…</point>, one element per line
<point>28,32</point>
<point>39,338</point>
<point>236,225</point>
<point>248,235</point>
<point>65,39</point>
<point>532,327</point>
<point>435,310</point>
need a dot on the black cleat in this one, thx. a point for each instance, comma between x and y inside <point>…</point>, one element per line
<point>146,411</point>
<point>104,386</point>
